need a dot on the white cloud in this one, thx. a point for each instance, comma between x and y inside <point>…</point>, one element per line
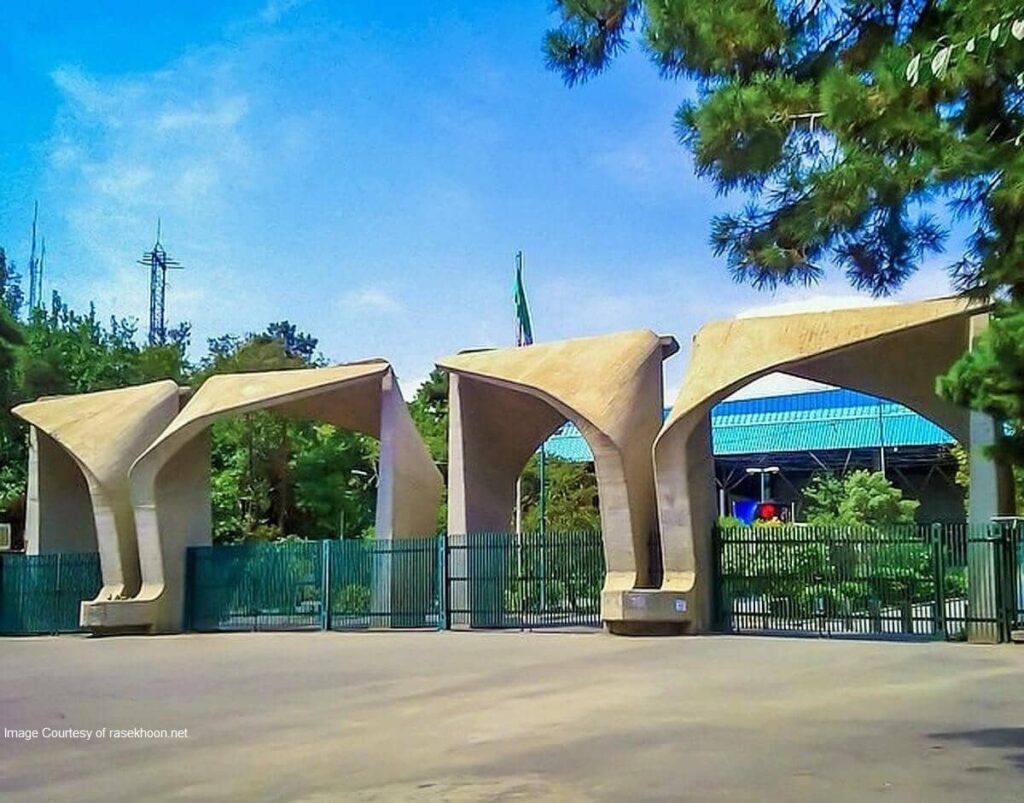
<point>86,93</point>
<point>177,143</point>
<point>119,179</point>
<point>274,10</point>
<point>815,303</point>
<point>223,114</point>
<point>371,299</point>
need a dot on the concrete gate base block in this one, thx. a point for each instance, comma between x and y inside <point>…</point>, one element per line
<point>647,612</point>
<point>118,617</point>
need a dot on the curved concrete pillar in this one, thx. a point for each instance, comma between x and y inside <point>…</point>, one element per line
<point>895,352</point>
<point>81,448</point>
<point>170,480</point>
<point>58,509</point>
<point>505,402</point>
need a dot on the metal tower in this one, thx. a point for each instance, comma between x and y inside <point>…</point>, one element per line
<point>35,267</point>
<point>158,263</point>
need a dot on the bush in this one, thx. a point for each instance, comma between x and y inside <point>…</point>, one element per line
<point>351,600</point>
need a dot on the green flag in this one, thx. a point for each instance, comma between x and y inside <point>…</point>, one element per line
<point>524,329</point>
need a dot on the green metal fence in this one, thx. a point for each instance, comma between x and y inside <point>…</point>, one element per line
<point>489,580</point>
<point>268,586</point>
<point>378,584</point>
<point>531,580</point>
<point>940,581</point>
<point>1013,592</point>
<point>314,585</point>
<point>43,593</point>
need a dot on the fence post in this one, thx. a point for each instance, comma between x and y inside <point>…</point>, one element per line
<point>939,569</point>
<point>190,572</point>
<point>717,624</point>
<point>442,582</point>
<point>1003,580</point>
<point>325,580</point>
<point>984,625</point>
<point>1015,576</point>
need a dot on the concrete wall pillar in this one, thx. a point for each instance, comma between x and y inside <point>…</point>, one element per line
<point>59,510</point>
<point>492,433</point>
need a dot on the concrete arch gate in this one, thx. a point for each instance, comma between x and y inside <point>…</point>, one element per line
<point>505,402</point>
<point>895,352</point>
<point>136,471</point>
<point>80,450</point>
<point>169,481</point>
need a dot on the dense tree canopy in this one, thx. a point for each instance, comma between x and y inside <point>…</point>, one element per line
<point>847,125</point>
<point>860,498</point>
<point>273,476</point>
<point>806,107</point>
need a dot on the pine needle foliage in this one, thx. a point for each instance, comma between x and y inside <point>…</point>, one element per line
<point>805,106</point>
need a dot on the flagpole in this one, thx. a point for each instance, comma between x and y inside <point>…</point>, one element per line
<point>519,342</point>
<point>524,337</point>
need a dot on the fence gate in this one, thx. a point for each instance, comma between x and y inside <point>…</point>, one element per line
<point>942,581</point>
<point>1014,593</point>
<point>315,585</point>
<point>42,594</point>
<point>385,584</point>
<point>525,581</point>
<point>256,586</point>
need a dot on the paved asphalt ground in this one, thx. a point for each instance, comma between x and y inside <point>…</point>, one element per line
<point>512,716</point>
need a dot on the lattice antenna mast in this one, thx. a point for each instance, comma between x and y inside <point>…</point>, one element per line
<point>158,263</point>
<point>34,290</point>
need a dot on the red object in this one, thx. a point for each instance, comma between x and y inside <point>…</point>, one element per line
<point>766,511</point>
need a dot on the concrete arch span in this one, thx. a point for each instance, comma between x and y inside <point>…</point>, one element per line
<point>79,499</point>
<point>170,480</point>
<point>505,402</point>
<point>895,352</point>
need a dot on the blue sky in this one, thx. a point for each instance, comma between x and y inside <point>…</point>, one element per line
<point>364,170</point>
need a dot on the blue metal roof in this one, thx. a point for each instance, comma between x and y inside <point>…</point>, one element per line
<point>800,422</point>
<point>569,445</point>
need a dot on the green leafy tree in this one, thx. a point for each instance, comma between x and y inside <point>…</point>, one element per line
<point>273,476</point>
<point>861,498</point>
<point>864,555</point>
<point>67,352</point>
<point>963,476</point>
<point>12,443</point>
<point>990,378</point>
<point>820,114</point>
<point>335,479</point>
<point>806,108</point>
<point>429,411</point>
<point>571,499</point>
<point>60,351</point>
<point>11,295</point>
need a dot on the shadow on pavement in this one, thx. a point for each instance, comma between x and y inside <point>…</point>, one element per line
<point>1011,739</point>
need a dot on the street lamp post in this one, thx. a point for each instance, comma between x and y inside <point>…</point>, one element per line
<point>356,472</point>
<point>763,471</point>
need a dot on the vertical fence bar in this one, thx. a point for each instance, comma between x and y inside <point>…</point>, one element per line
<point>717,601</point>
<point>325,584</point>
<point>441,582</point>
<point>190,572</point>
<point>939,569</point>
<point>1017,563</point>
<point>1000,570</point>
